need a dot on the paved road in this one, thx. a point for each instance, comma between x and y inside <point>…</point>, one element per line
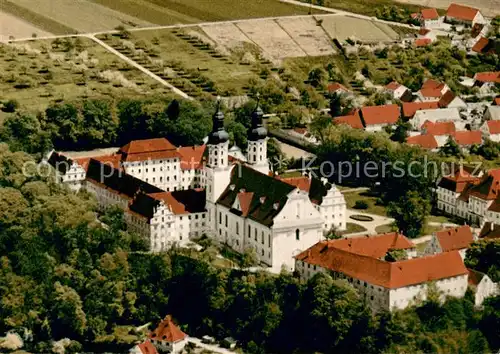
<point>141,68</point>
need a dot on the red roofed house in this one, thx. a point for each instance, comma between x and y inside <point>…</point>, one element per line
<point>167,337</point>
<point>410,108</point>
<point>483,286</point>
<point>451,186</point>
<point>69,171</point>
<point>450,100</point>
<point>422,42</point>
<point>428,18</point>
<point>375,118</point>
<point>399,92</point>
<point>464,15</point>
<point>491,130</point>
<point>451,239</point>
<point>382,284</point>
<point>467,138</point>
<point>440,130</point>
<point>145,347</point>
<point>337,88</point>
<point>432,90</point>
<point>353,120</point>
<point>487,81</point>
<point>424,141</point>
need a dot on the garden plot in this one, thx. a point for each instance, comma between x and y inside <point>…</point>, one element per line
<point>82,15</point>
<point>273,40</point>
<point>39,72</point>
<point>343,27</point>
<point>310,37</point>
<point>227,35</point>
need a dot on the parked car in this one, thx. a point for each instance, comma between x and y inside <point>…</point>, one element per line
<point>228,343</point>
<point>208,340</point>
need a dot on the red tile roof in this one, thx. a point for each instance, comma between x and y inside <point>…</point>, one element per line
<point>83,162</point>
<point>438,128</point>
<point>389,275</point>
<point>461,12</point>
<point>468,137</point>
<point>410,108</point>
<point>429,14</point>
<point>303,183</point>
<point>496,101</point>
<point>111,160</point>
<point>353,120</point>
<point>495,206</point>
<point>424,141</point>
<point>422,42</point>
<point>458,181</point>
<point>183,201</point>
<point>492,76</point>
<point>375,246</point>
<point>191,157</point>
<point>493,126</point>
<point>446,99</point>
<point>393,85</point>
<point>387,114</point>
<point>455,238</point>
<point>488,188</point>
<point>337,86</point>
<point>423,31</point>
<point>480,45</point>
<point>147,347</point>
<point>167,331</point>
<point>150,149</point>
<point>490,231</point>
<point>245,200</point>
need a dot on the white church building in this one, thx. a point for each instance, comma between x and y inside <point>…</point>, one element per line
<point>174,194</point>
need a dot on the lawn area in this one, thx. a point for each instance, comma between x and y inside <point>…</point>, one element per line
<point>440,219</point>
<point>189,60</point>
<point>382,229</point>
<point>39,72</point>
<point>352,228</point>
<point>371,200</point>
<point>366,7</point>
<point>421,247</point>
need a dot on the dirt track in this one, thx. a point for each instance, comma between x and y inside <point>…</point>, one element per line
<point>13,26</point>
<point>489,8</point>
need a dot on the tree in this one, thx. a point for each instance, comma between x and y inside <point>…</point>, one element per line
<point>451,148</point>
<point>249,258</point>
<point>400,133</point>
<point>482,256</point>
<point>395,255</point>
<point>10,106</point>
<point>319,126</point>
<point>410,213</point>
<point>316,77</point>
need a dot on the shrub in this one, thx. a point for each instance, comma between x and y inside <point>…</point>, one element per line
<point>10,106</point>
<point>360,204</point>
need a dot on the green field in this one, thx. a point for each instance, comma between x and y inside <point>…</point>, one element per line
<point>184,58</point>
<point>168,12</point>
<point>366,7</point>
<point>373,206</point>
<point>39,72</point>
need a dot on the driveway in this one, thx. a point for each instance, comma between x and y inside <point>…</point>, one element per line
<point>212,347</point>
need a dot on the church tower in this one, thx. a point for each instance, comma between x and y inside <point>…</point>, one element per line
<point>257,142</point>
<point>218,171</point>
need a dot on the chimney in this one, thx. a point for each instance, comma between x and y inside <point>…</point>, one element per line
<point>242,190</point>
<point>276,205</point>
<point>232,187</point>
<point>262,200</point>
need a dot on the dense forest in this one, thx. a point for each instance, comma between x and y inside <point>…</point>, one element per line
<point>64,275</point>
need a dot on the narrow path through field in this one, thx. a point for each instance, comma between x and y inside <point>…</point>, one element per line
<point>140,67</point>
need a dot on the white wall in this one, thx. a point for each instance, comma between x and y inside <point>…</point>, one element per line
<point>484,289</point>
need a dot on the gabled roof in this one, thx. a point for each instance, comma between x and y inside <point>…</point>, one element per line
<point>458,181</point>
<point>422,42</point>
<point>431,84</point>
<point>493,126</point>
<point>468,137</point>
<point>496,101</point>
<point>425,141</point>
<point>183,201</point>
<point>394,85</point>
<point>455,238</point>
<point>245,200</point>
<point>390,275</point>
<point>429,14</point>
<point>116,180</point>
<point>487,189</point>
<point>60,162</point>
<point>140,150</point>
<point>446,99</point>
<point>475,277</point>
<point>480,45</point>
<point>387,114</point>
<point>147,347</point>
<point>336,86</point>
<point>167,331</point>
<point>490,231</point>
<point>438,128</point>
<point>410,108</point>
<point>495,206</point>
<point>490,76</point>
<point>313,186</point>
<point>423,31</point>
<point>303,182</point>
<point>375,246</point>
<point>353,120</point>
<point>269,194</point>
<point>461,12</point>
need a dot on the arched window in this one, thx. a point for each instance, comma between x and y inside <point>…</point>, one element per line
<point>297,234</point>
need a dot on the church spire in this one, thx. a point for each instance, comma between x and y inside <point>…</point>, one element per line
<point>257,130</point>
<point>218,134</point>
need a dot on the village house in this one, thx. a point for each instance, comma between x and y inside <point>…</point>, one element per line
<point>486,46</point>
<point>428,18</point>
<point>399,92</point>
<point>145,347</point>
<point>490,230</point>
<point>483,286</point>
<point>450,100</point>
<point>422,42</point>
<point>492,113</point>
<point>352,120</point>
<point>338,88</point>
<point>468,138</point>
<point>451,239</point>
<point>240,204</point>
<point>464,15</point>
<point>425,141</point>
<point>440,130</point>
<point>385,285</point>
<point>487,81</point>
<point>376,118</point>
<point>410,108</point>
<point>491,130</point>
<point>69,171</point>
<point>167,337</point>
<point>432,90</point>
<point>435,115</point>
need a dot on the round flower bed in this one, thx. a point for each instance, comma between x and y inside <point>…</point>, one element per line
<point>358,217</point>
